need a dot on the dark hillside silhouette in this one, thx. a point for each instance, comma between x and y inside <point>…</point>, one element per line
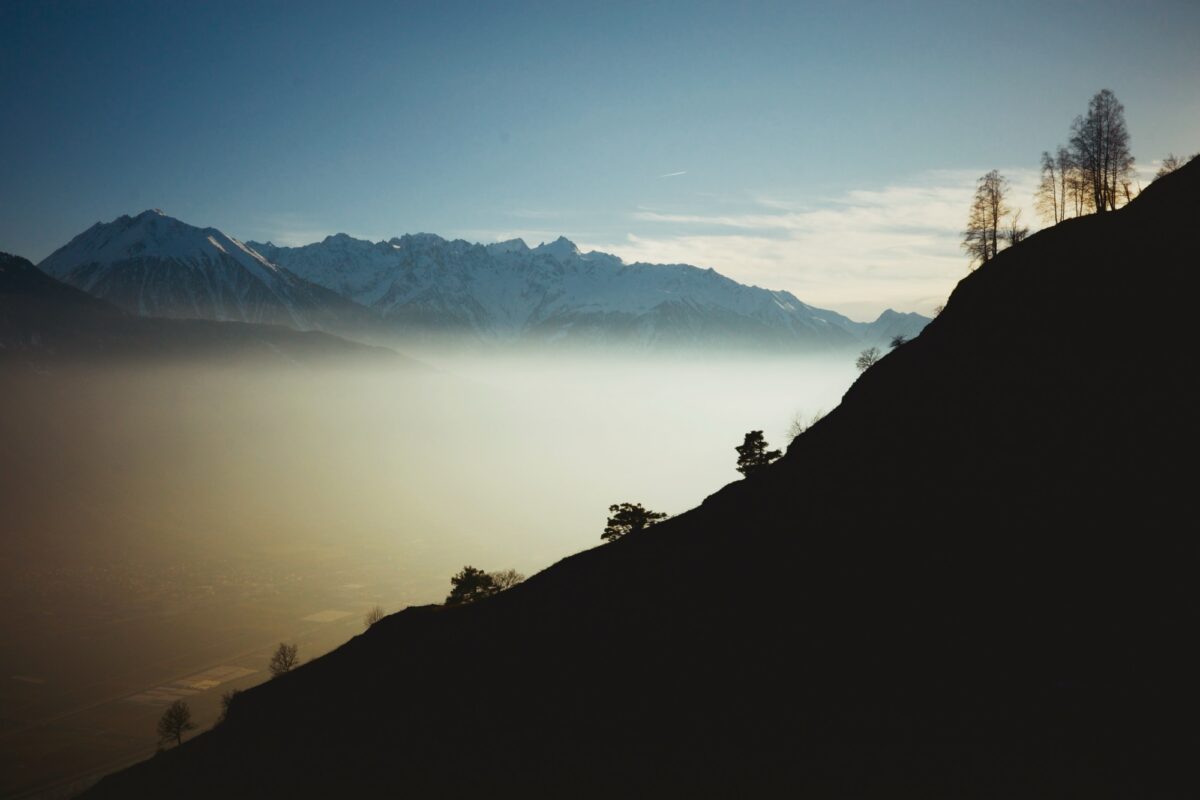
<point>45,322</point>
<point>970,580</point>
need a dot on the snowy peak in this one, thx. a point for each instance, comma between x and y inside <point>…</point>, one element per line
<point>417,240</point>
<point>510,246</point>
<point>155,265</point>
<point>561,248</point>
<point>152,235</point>
<point>507,291</point>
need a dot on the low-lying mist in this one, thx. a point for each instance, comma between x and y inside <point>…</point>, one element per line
<point>500,460</point>
<point>160,521</point>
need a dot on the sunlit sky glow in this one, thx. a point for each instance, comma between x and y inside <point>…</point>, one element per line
<point>827,149</point>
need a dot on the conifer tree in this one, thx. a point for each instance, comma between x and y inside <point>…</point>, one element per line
<point>469,585</point>
<point>753,454</point>
<point>627,518</point>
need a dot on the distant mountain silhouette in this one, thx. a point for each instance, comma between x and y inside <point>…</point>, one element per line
<point>554,294</point>
<point>421,285</point>
<point>43,322</point>
<point>975,578</point>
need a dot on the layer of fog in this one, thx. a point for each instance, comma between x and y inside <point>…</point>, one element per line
<point>494,461</point>
<point>160,521</point>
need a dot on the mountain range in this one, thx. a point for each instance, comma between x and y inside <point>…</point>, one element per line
<point>974,578</point>
<point>553,292</point>
<point>423,286</point>
<point>45,323</point>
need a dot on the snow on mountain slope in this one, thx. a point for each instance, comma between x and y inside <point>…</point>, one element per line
<point>507,290</point>
<point>154,265</point>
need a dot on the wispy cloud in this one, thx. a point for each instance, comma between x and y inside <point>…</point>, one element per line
<point>674,174</point>
<point>859,252</point>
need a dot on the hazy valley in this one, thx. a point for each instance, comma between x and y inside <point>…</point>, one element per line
<point>598,400</point>
<point>165,521</point>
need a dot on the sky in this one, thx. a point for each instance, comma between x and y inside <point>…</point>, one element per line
<point>828,149</point>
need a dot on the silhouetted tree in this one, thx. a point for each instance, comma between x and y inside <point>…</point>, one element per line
<point>627,518</point>
<point>753,454</point>
<point>1057,183</point>
<point>1130,189</point>
<point>283,660</point>
<point>897,340</point>
<point>1015,232</point>
<point>867,358</point>
<point>506,579</point>
<point>1100,147</point>
<point>174,723</point>
<point>1072,190</point>
<point>1169,165</point>
<point>1046,198</point>
<point>800,424</point>
<point>470,585</point>
<point>226,701</point>
<point>374,615</point>
<point>981,239</point>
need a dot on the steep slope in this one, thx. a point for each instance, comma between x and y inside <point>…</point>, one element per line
<point>554,293</point>
<point>975,578</point>
<point>154,265</point>
<point>33,304</point>
<point>44,322</point>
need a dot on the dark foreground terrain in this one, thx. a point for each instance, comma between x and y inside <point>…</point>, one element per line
<point>976,578</point>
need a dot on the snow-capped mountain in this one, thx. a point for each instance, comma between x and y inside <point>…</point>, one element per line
<point>154,265</point>
<point>509,291</point>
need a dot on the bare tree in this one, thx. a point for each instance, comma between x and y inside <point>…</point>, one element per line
<point>1169,164</point>
<point>867,358</point>
<point>226,701</point>
<point>1061,190</point>
<point>981,239</point>
<point>284,659</point>
<point>1100,146</point>
<point>506,578</point>
<point>1078,197</point>
<point>1049,197</point>
<point>975,237</point>
<point>174,723</point>
<point>1069,182</point>
<point>374,615</point>
<point>800,424</point>
<point>1015,232</point>
<point>1130,189</point>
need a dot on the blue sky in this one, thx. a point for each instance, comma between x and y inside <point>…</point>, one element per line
<point>828,149</point>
